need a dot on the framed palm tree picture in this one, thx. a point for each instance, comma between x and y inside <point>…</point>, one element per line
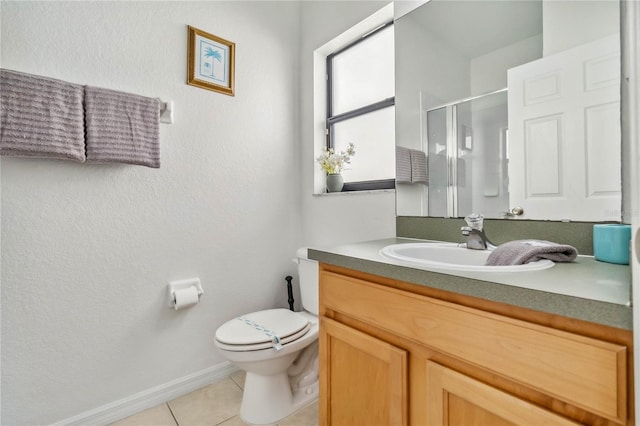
<point>210,62</point>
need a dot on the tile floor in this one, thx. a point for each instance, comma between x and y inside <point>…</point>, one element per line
<point>216,404</point>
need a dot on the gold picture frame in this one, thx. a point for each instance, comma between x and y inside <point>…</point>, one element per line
<point>210,62</point>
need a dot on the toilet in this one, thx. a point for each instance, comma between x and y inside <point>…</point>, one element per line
<point>278,349</point>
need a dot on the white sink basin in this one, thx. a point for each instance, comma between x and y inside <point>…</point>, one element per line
<point>448,256</point>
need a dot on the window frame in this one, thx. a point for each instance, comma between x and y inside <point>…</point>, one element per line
<point>333,119</point>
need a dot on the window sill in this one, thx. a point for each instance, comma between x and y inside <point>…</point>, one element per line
<point>370,191</point>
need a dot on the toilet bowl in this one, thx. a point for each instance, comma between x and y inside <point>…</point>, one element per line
<point>278,349</point>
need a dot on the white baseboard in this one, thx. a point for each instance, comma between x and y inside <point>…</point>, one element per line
<point>133,404</point>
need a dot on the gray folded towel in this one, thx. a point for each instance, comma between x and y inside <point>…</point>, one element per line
<point>40,117</point>
<point>411,166</point>
<point>403,165</point>
<point>122,127</point>
<point>419,172</point>
<point>526,251</point>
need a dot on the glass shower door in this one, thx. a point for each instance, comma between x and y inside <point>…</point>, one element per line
<point>468,157</point>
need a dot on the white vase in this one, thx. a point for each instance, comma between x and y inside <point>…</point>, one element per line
<point>334,182</point>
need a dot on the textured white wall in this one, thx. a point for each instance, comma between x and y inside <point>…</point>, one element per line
<point>87,250</point>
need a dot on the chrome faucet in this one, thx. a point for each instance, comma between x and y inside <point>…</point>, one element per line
<point>474,233</point>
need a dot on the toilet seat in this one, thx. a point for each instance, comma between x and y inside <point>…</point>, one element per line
<point>266,329</point>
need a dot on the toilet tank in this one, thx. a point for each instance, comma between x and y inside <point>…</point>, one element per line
<point>308,277</point>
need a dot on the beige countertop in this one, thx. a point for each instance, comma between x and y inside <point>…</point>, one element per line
<point>586,289</point>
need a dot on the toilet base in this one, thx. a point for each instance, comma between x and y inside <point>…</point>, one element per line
<point>268,399</point>
<point>278,383</point>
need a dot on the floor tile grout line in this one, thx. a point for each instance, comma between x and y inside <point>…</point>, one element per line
<point>236,383</point>
<point>226,420</point>
<point>237,414</point>
<point>172,415</point>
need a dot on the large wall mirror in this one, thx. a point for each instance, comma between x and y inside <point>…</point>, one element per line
<point>510,109</point>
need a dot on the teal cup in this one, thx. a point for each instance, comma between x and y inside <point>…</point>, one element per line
<point>611,243</point>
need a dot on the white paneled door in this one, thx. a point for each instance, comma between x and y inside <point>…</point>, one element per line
<point>564,134</point>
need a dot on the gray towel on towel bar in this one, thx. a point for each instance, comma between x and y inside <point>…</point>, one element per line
<point>40,117</point>
<point>526,251</point>
<point>403,165</point>
<point>122,127</point>
<point>419,171</point>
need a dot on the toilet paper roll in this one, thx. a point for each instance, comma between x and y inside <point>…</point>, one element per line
<point>185,298</point>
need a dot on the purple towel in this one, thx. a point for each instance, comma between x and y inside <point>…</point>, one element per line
<point>403,165</point>
<point>526,251</point>
<point>419,172</point>
<point>40,117</point>
<point>122,127</point>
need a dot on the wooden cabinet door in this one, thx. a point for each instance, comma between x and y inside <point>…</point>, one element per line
<point>363,380</point>
<point>455,399</point>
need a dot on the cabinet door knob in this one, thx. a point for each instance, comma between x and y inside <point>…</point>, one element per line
<point>517,211</point>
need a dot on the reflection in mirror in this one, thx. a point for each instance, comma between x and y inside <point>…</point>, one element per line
<point>467,143</point>
<point>512,119</point>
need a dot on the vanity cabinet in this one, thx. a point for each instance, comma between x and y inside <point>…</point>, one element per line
<point>394,353</point>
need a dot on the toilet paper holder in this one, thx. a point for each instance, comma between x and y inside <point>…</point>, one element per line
<point>181,285</point>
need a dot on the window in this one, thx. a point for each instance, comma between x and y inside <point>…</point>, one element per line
<point>360,108</point>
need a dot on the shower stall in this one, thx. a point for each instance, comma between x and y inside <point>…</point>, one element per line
<point>468,153</point>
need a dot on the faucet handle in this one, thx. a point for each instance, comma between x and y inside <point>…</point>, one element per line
<point>475,221</point>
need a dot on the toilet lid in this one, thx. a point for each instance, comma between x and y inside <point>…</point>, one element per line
<point>259,328</point>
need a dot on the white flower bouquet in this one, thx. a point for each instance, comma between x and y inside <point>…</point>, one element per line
<point>333,162</point>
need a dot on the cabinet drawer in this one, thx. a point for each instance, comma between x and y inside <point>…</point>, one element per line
<point>585,372</point>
